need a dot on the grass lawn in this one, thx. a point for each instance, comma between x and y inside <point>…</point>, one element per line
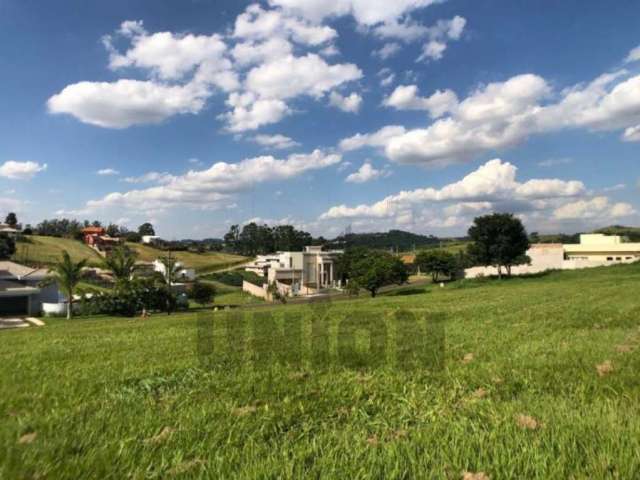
<point>48,250</point>
<point>540,380</point>
<point>202,262</point>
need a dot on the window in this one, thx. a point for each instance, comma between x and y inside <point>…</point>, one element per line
<point>618,258</point>
<point>609,259</point>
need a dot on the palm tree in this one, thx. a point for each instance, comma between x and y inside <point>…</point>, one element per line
<point>171,268</point>
<point>122,262</point>
<point>67,275</point>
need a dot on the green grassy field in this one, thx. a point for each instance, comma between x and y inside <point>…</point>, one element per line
<point>48,250</point>
<point>540,380</point>
<point>202,262</point>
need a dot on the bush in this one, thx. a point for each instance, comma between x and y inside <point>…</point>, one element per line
<point>202,293</point>
<point>7,247</point>
<point>131,299</point>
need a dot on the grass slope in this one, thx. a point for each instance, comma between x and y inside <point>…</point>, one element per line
<point>202,262</point>
<point>520,395</point>
<point>48,250</point>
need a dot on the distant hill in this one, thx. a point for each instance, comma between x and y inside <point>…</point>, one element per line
<point>393,239</point>
<point>202,262</point>
<point>632,233</point>
<point>43,251</point>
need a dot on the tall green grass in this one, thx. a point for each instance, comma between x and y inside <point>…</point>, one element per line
<point>520,394</point>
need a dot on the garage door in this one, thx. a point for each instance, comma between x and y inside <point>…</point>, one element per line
<point>14,306</point>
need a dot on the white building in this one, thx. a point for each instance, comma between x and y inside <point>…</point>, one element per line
<point>295,273</point>
<point>594,250</point>
<point>150,239</point>
<point>21,292</point>
<point>182,274</point>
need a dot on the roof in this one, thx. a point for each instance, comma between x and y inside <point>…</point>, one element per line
<point>408,259</point>
<point>9,288</point>
<point>93,231</point>
<point>12,269</point>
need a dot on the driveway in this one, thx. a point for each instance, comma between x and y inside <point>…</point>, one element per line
<point>19,322</point>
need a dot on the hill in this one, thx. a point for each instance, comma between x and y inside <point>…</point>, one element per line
<point>397,240</point>
<point>632,233</point>
<point>38,250</point>
<point>202,262</point>
<point>537,379</point>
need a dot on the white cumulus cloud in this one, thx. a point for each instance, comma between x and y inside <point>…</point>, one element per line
<point>366,173</point>
<point>106,172</point>
<point>205,189</point>
<point>124,103</point>
<point>350,103</point>
<point>278,142</point>
<point>15,170</point>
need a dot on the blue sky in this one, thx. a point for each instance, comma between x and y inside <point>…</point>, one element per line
<point>417,114</point>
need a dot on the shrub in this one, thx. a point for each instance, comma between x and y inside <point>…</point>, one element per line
<point>7,247</point>
<point>131,299</point>
<point>202,293</point>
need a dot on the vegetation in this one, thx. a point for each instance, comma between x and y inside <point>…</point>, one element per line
<point>11,220</point>
<point>67,274</point>
<point>7,247</point>
<point>500,240</point>
<point>39,250</point>
<point>146,229</point>
<point>370,270</point>
<point>122,263</point>
<point>202,293</point>
<point>395,240</point>
<point>438,262</point>
<point>202,262</point>
<point>234,278</point>
<point>132,298</point>
<point>631,234</point>
<point>533,386</point>
<point>254,239</point>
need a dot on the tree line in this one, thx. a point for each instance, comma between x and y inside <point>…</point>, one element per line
<point>253,239</point>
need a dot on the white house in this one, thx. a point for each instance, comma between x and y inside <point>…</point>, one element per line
<point>150,239</point>
<point>182,274</point>
<point>295,273</point>
<point>20,290</point>
<point>594,250</point>
<point>9,231</point>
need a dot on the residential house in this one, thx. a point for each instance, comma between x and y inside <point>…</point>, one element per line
<point>295,273</point>
<point>182,273</point>
<point>594,250</point>
<point>20,290</point>
<point>150,239</point>
<point>97,238</point>
<point>10,231</point>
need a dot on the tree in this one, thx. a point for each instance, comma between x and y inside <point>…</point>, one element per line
<point>202,293</point>
<point>146,229</point>
<point>11,220</point>
<point>500,240</point>
<point>7,247</point>
<point>113,230</point>
<point>67,274</point>
<point>170,264</point>
<point>122,263</point>
<point>370,269</point>
<point>437,262</point>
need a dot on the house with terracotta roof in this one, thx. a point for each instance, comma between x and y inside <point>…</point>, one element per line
<point>98,239</point>
<point>21,292</point>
